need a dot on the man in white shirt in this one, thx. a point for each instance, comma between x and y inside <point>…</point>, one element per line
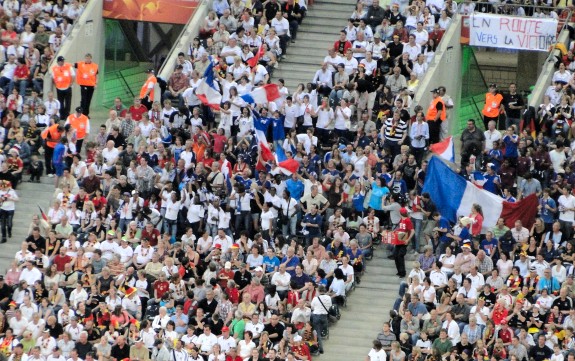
<point>30,274</point>
<point>7,75</point>
<point>281,26</point>
<point>18,323</point>
<point>412,48</point>
<point>421,35</point>
<point>225,341</point>
<point>566,211</point>
<point>320,306</point>
<point>230,51</point>
<point>207,340</point>
<point>110,155</point>
<point>491,135</point>
<point>281,280</point>
<point>109,246</point>
<point>332,60</point>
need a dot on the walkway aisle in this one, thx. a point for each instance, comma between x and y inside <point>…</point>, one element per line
<point>31,195</point>
<point>320,29</point>
<point>367,308</point>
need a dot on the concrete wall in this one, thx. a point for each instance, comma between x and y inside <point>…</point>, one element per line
<point>191,30</point>
<point>87,36</point>
<point>445,69</point>
<point>546,76</point>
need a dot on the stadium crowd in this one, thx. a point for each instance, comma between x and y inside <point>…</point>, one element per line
<point>170,239</point>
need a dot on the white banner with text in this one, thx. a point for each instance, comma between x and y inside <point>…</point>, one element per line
<point>498,31</point>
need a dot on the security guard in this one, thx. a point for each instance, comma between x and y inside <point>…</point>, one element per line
<point>81,123</point>
<point>436,114</point>
<point>52,136</point>
<point>147,91</point>
<point>493,105</point>
<point>63,76</point>
<point>87,79</point>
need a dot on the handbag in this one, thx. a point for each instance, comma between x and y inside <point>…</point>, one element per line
<point>333,312</point>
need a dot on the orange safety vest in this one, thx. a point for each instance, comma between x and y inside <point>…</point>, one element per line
<point>144,89</point>
<point>87,73</point>
<point>432,110</point>
<point>54,135</point>
<point>492,105</point>
<point>62,76</point>
<point>80,124</point>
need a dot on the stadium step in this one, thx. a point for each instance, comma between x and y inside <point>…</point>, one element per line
<point>320,28</point>
<point>367,308</point>
<point>31,195</point>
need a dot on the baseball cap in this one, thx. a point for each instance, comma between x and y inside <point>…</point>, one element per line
<point>403,211</point>
<point>376,36</point>
<point>228,265</point>
<point>225,328</point>
<point>60,58</point>
<point>258,269</point>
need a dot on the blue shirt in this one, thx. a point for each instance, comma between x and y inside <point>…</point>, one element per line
<point>58,155</point>
<point>398,186</point>
<point>551,285</point>
<point>292,263</point>
<point>377,194</point>
<point>357,201</point>
<point>295,188</point>
<point>546,215</point>
<point>510,146</point>
<point>180,329</point>
<point>310,218</point>
<point>444,223</point>
<point>489,184</point>
<point>490,247</point>
<point>271,263</point>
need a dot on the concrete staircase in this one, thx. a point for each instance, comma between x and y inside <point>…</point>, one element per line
<point>367,308</point>
<point>319,30</point>
<point>31,195</point>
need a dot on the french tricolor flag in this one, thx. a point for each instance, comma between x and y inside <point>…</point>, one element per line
<point>262,95</point>
<point>286,165</point>
<point>207,91</point>
<point>445,149</point>
<point>261,126</point>
<point>454,196</point>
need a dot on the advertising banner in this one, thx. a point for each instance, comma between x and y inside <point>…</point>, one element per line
<point>156,11</point>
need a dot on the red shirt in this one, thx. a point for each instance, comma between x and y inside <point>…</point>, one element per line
<point>161,288</point>
<point>138,112</point>
<point>224,282</point>
<point>477,224</point>
<point>21,72</point>
<point>60,262</point>
<point>151,237</point>
<point>506,335</point>
<point>405,225</point>
<point>219,143</point>
<point>303,350</point>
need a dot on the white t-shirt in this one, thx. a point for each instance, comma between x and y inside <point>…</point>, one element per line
<point>377,355</point>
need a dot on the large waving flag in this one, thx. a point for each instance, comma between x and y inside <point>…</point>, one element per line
<point>454,196</point>
<point>262,95</point>
<point>261,126</point>
<point>206,91</point>
<point>445,149</point>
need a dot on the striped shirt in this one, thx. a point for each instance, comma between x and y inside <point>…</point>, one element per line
<point>394,130</point>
